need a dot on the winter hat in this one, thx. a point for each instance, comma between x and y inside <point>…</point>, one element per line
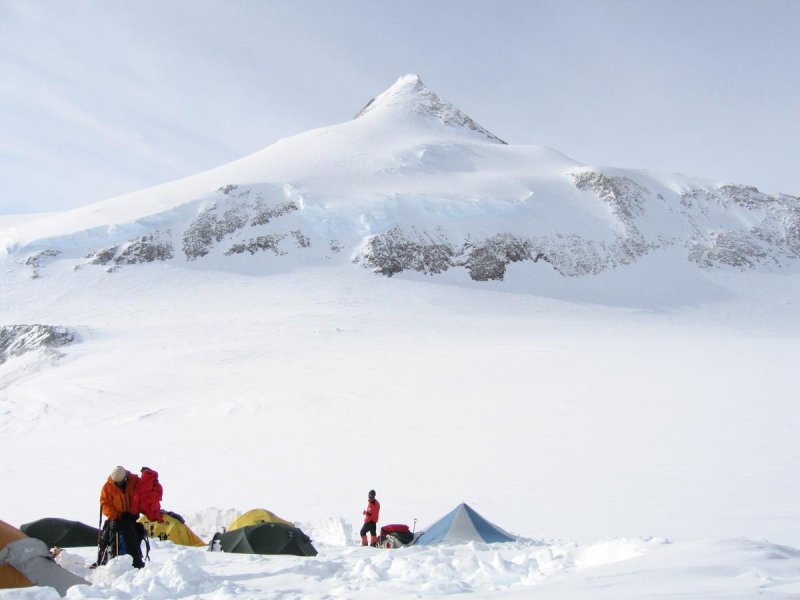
<point>372,493</point>
<point>119,474</point>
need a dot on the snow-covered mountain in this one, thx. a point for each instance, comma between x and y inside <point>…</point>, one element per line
<point>602,361</point>
<point>414,184</point>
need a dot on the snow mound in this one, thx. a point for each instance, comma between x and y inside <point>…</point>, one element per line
<point>333,531</point>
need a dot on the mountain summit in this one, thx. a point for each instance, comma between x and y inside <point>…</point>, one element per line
<point>410,94</point>
<point>413,184</point>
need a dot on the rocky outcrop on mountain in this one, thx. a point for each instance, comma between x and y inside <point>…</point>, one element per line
<point>623,196</point>
<point>153,247</point>
<point>38,261</point>
<point>16,340</point>
<point>731,248</point>
<point>765,232</point>
<point>259,244</point>
<point>232,213</point>
<point>487,259</point>
<point>396,251</point>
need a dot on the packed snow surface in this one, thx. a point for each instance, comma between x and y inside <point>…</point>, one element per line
<point>608,569</point>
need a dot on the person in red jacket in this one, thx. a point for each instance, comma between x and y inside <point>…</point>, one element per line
<point>117,501</point>
<point>371,514</point>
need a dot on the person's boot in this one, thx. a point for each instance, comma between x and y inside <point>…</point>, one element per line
<point>374,541</point>
<point>363,540</point>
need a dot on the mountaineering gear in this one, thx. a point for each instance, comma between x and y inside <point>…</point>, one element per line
<point>123,497</point>
<point>461,525</point>
<point>265,538</point>
<point>26,561</point>
<point>255,517</point>
<point>395,536</point>
<point>123,536</point>
<point>371,514</point>
<point>147,497</point>
<point>173,528</point>
<point>116,499</point>
<point>372,511</point>
<point>371,529</point>
<point>61,532</point>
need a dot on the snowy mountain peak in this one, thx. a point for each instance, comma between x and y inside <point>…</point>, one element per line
<point>409,94</point>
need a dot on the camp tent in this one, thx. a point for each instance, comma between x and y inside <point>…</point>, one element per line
<point>26,561</point>
<point>461,525</point>
<point>61,533</point>
<point>256,517</point>
<point>173,529</point>
<point>266,538</point>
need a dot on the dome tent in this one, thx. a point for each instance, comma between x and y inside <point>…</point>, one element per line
<point>461,525</point>
<point>61,532</point>
<point>26,561</point>
<point>173,529</point>
<point>256,517</point>
<point>266,538</point>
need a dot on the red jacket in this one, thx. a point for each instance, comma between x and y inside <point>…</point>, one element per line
<point>372,512</point>
<point>114,500</point>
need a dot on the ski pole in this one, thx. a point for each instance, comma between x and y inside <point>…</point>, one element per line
<point>99,534</point>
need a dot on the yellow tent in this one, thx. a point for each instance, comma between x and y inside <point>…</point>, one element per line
<point>173,529</point>
<point>256,517</point>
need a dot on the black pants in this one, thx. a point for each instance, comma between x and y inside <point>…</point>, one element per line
<point>119,532</point>
<point>369,527</point>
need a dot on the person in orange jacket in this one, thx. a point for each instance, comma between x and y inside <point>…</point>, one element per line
<point>371,514</point>
<point>117,504</point>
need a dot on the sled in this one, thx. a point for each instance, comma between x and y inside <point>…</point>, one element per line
<point>395,536</point>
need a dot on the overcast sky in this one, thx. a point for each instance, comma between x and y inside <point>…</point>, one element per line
<point>105,97</point>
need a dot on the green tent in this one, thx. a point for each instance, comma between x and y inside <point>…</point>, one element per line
<point>61,533</point>
<point>266,538</point>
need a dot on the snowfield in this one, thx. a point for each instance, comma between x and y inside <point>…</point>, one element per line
<point>621,393</point>
<point>612,569</point>
<point>615,427</point>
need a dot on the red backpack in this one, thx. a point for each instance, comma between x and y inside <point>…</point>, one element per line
<point>147,497</point>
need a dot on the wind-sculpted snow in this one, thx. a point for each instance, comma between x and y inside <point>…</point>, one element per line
<point>16,340</point>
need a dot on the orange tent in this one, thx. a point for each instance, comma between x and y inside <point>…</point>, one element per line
<point>9,576</point>
<point>26,561</point>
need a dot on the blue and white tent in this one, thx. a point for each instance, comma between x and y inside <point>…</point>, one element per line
<point>461,525</point>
